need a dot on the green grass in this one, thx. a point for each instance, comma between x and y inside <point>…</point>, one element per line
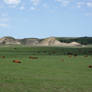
<point>45,74</point>
<point>25,50</point>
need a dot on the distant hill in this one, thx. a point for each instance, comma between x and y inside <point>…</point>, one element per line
<point>51,41</point>
<point>81,40</point>
<point>9,41</point>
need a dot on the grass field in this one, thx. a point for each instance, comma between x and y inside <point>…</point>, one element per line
<point>48,73</point>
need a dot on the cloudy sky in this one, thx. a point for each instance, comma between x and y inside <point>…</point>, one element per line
<point>44,18</point>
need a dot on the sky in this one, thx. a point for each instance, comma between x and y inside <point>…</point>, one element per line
<point>45,18</point>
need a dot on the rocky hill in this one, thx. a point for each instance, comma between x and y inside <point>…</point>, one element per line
<point>51,41</point>
<point>82,40</point>
<point>9,41</point>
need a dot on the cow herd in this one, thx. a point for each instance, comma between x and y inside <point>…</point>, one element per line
<point>18,61</point>
<point>70,55</point>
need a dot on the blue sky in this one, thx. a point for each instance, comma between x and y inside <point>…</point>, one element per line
<point>45,18</point>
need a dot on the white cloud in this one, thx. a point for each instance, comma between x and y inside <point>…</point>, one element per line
<point>12,2</point>
<point>85,4</point>
<point>22,8</point>
<point>3,25</point>
<point>35,2</point>
<point>45,5</point>
<point>64,2</point>
<point>89,4</point>
<point>32,8</point>
<point>80,4</point>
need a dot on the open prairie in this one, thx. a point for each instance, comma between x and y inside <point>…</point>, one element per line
<point>45,69</point>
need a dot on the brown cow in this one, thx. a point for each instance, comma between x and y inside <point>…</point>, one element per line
<point>16,61</point>
<point>31,57</point>
<point>90,66</point>
<point>3,56</point>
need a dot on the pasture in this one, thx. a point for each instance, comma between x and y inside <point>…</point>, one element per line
<point>48,70</point>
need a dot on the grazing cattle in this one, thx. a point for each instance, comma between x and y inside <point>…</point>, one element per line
<point>16,61</point>
<point>3,56</point>
<point>31,57</point>
<point>90,66</point>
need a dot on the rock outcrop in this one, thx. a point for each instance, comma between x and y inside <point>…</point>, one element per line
<point>51,41</point>
<point>30,41</point>
<point>9,41</point>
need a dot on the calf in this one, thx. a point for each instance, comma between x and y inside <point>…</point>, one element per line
<point>16,61</point>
